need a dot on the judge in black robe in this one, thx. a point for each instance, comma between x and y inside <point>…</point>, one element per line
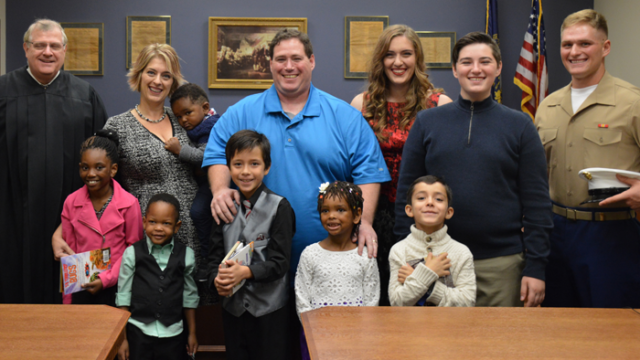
<point>41,130</point>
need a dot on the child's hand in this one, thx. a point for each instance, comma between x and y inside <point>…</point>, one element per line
<point>439,264</point>
<point>123,352</point>
<point>93,287</point>
<point>231,276</point>
<point>404,273</point>
<point>60,247</point>
<point>221,286</point>
<point>192,345</point>
<point>173,145</point>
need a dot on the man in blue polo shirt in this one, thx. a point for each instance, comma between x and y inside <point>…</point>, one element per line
<point>314,137</point>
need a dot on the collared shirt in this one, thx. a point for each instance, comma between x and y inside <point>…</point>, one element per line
<point>34,78</point>
<point>327,141</point>
<point>161,254</point>
<point>604,132</point>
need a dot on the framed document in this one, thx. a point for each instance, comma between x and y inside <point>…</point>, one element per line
<point>361,34</point>
<point>437,46</point>
<point>145,30</point>
<point>239,50</point>
<point>85,48</point>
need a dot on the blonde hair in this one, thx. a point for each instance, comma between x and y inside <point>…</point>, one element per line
<point>45,25</point>
<point>589,17</point>
<point>419,89</point>
<point>162,51</point>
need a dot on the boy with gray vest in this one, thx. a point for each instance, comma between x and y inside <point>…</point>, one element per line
<point>156,284</point>
<point>256,317</point>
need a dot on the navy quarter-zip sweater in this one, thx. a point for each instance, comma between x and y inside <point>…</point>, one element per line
<point>492,158</point>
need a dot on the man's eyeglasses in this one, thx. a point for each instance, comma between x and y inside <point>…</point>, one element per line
<point>43,45</point>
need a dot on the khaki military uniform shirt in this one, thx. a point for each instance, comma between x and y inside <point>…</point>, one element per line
<point>604,132</point>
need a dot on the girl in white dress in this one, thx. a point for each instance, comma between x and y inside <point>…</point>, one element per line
<point>330,272</point>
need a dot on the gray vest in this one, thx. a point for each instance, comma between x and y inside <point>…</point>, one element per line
<point>258,298</point>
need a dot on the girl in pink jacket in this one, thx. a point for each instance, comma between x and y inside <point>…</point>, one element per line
<point>101,214</point>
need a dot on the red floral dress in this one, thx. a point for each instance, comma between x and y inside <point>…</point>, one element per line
<point>395,139</point>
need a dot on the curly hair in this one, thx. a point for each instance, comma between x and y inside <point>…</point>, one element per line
<point>344,190</point>
<point>106,140</point>
<point>166,198</point>
<point>191,91</point>
<point>419,90</point>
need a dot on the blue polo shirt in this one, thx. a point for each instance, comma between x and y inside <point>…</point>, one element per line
<point>328,140</point>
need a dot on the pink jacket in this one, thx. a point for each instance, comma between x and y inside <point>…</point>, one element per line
<point>119,226</point>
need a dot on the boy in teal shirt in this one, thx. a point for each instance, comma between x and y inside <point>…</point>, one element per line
<point>156,283</point>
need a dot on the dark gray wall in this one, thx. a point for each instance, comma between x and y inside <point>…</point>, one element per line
<point>325,27</point>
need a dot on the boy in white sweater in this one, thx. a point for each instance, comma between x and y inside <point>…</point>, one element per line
<point>428,267</point>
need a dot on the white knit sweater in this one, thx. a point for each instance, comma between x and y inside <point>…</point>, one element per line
<point>416,246</point>
<point>336,278</point>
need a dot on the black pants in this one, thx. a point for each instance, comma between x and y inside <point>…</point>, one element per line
<point>145,347</point>
<point>255,338</point>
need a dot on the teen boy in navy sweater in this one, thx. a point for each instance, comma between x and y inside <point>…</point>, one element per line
<point>493,158</point>
<point>156,283</point>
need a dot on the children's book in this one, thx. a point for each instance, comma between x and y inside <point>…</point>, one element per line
<point>79,269</point>
<point>241,254</point>
<point>447,280</point>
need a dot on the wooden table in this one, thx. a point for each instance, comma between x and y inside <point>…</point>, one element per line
<point>471,333</point>
<point>61,331</point>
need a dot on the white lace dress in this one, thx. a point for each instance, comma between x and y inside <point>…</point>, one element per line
<point>335,278</point>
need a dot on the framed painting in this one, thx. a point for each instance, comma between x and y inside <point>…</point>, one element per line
<point>239,50</point>
<point>145,30</point>
<point>85,48</point>
<point>361,34</point>
<point>437,46</point>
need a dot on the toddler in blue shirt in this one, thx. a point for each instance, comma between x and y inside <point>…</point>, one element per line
<point>190,104</point>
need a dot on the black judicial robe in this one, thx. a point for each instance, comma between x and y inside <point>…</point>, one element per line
<point>41,130</point>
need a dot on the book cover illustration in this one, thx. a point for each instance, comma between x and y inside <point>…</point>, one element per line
<point>79,269</point>
<point>241,254</point>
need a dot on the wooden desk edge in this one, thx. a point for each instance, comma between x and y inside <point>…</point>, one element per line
<point>116,337</point>
<point>308,333</point>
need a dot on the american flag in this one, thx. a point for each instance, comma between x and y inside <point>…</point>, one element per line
<point>531,73</point>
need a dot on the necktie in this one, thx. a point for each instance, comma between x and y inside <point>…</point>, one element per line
<point>247,206</point>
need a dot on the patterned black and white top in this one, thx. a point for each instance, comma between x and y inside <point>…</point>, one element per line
<point>147,168</point>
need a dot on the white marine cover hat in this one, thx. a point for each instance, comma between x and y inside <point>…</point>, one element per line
<point>603,182</point>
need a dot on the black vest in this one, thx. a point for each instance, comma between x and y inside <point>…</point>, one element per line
<point>157,294</point>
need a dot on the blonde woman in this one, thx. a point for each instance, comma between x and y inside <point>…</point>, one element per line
<point>146,166</point>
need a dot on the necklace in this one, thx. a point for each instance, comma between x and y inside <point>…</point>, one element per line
<point>147,119</point>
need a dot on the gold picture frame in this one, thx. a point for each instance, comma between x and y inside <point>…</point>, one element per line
<point>85,48</point>
<point>239,50</point>
<point>361,34</point>
<point>145,30</point>
<point>437,47</point>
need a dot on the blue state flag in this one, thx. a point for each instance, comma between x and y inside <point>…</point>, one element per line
<point>491,28</point>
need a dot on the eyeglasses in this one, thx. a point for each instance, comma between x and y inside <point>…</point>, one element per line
<point>43,45</point>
